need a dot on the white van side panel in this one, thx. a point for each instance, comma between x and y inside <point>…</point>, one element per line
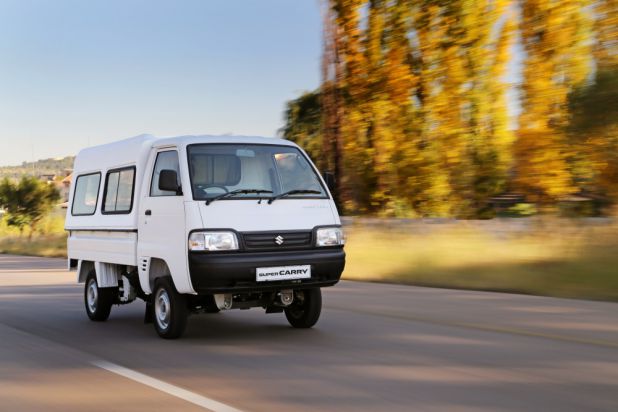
<point>131,152</point>
<point>103,246</point>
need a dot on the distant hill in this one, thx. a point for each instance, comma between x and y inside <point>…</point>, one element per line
<point>56,166</point>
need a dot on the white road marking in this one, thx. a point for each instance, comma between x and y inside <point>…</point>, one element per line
<point>170,389</point>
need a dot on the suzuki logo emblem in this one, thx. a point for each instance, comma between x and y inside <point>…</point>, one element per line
<point>279,240</point>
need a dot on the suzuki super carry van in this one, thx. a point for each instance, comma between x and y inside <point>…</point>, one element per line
<point>199,224</point>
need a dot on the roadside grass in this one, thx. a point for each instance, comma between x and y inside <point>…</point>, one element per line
<point>552,257</point>
<point>40,245</point>
<point>558,258</point>
<point>48,240</point>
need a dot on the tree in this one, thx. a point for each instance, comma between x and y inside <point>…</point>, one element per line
<point>27,201</point>
<point>460,53</point>
<point>594,130</point>
<point>303,125</point>
<point>556,37</point>
<point>606,30</point>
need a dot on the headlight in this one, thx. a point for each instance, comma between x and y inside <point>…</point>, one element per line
<point>213,241</point>
<point>329,236</point>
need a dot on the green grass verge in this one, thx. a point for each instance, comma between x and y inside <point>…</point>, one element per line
<point>562,260</point>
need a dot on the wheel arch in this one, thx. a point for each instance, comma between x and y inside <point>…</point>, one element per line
<point>158,269</point>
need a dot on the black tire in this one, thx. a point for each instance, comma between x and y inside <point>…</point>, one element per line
<point>170,310</point>
<point>98,301</point>
<point>305,311</point>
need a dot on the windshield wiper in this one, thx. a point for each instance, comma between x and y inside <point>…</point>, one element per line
<point>294,192</point>
<point>236,192</point>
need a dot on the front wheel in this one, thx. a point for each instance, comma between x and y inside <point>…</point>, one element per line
<point>98,301</point>
<point>170,310</point>
<point>305,311</point>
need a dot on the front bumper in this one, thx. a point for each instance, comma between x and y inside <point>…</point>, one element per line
<point>234,272</point>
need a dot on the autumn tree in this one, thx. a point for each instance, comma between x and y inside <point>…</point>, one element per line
<point>606,35</point>
<point>594,131</point>
<point>461,50</point>
<point>556,37</point>
<point>594,109</point>
<point>331,99</point>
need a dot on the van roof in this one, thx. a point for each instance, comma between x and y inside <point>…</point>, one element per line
<point>191,139</point>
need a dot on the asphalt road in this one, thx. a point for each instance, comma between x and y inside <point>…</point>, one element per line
<point>376,348</point>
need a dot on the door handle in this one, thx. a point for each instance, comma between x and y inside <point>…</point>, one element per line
<point>148,212</point>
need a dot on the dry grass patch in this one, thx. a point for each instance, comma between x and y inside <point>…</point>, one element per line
<point>555,258</point>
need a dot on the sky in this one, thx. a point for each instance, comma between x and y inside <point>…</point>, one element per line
<point>75,73</point>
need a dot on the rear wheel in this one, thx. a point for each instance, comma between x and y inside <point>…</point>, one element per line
<point>170,310</point>
<point>305,311</point>
<point>98,301</point>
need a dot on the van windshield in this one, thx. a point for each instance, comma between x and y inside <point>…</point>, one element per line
<point>216,169</point>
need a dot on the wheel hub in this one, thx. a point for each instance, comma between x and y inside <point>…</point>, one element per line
<point>92,296</point>
<point>162,309</point>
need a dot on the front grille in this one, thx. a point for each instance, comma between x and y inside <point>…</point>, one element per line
<point>277,240</point>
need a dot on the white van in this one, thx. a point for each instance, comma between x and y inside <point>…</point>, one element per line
<point>196,224</point>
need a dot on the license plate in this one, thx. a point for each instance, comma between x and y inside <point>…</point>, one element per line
<point>283,273</point>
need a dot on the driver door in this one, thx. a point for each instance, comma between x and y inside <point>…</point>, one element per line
<point>162,222</point>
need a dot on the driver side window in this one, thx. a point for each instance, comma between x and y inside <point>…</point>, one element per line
<point>165,161</point>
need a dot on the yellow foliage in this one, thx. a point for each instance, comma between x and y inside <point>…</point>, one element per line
<point>556,39</point>
<point>420,110</point>
<point>424,123</point>
<point>606,28</point>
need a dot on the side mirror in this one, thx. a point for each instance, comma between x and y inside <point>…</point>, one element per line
<point>329,178</point>
<point>168,180</point>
